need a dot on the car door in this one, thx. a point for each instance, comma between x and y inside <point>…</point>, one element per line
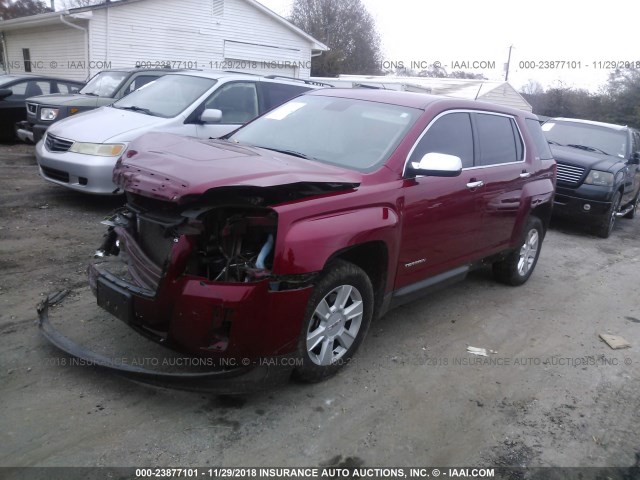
<point>501,167</point>
<point>12,108</point>
<point>441,219</point>
<point>632,173</point>
<point>238,102</point>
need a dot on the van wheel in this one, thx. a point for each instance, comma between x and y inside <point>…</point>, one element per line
<point>337,319</point>
<point>519,264</point>
<point>605,228</point>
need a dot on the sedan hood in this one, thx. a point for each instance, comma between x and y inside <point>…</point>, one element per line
<point>61,99</point>
<point>103,124</point>
<point>586,159</point>
<point>170,167</point>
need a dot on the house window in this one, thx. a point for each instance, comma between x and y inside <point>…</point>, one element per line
<point>27,59</point>
<point>218,8</point>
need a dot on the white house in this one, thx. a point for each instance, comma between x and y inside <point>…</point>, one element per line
<point>499,92</point>
<point>205,34</point>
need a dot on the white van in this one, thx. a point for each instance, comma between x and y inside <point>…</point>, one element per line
<point>80,152</point>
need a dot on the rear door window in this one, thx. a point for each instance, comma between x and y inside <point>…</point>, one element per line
<point>496,140</point>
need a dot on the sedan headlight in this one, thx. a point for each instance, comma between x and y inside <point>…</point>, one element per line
<point>48,114</point>
<point>596,177</point>
<point>101,149</point>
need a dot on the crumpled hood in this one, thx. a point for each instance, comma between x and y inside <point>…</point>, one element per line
<point>586,159</point>
<point>170,167</point>
<point>63,99</point>
<point>103,124</point>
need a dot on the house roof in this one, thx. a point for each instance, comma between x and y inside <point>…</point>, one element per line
<point>85,12</point>
<point>471,89</point>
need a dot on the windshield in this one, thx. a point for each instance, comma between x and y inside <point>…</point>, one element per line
<point>355,134</point>
<point>587,137</point>
<point>104,84</point>
<point>167,96</point>
<point>4,80</point>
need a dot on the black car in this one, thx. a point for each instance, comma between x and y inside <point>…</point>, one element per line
<point>104,88</point>
<point>15,89</point>
<point>598,170</point>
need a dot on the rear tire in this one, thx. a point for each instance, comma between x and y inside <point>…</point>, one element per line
<point>518,266</point>
<point>605,228</point>
<point>337,318</point>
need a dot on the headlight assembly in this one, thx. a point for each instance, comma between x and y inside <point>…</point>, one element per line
<point>48,114</point>
<point>596,177</point>
<point>100,149</point>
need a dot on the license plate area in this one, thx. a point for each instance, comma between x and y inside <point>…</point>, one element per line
<point>115,300</point>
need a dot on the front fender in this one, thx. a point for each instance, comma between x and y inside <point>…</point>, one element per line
<point>309,243</point>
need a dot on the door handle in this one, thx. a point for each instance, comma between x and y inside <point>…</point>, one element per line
<point>525,174</point>
<point>477,184</point>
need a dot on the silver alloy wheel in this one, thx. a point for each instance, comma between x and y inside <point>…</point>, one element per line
<point>335,325</point>
<point>528,252</point>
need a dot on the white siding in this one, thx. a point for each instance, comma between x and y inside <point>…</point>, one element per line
<point>191,31</point>
<point>506,95</point>
<point>55,50</point>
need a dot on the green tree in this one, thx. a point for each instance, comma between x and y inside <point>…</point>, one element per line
<point>21,8</point>
<point>347,28</point>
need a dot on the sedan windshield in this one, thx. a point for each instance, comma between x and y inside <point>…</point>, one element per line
<point>355,134</point>
<point>591,138</point>
<point>167,96</point>
<point>104,84</point>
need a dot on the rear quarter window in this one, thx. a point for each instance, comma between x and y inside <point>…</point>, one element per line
<point>539,141</point>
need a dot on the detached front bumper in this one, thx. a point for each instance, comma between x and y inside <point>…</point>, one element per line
<point>246,377</point>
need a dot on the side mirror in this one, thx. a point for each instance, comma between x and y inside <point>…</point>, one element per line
<point>437,165</point>
<point>635,159</point>
<point>211,115</point>
<point>5,92</point>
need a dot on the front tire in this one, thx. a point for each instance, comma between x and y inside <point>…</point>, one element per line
<point>605,228</point>
<point>337,318</point>
<point>518,266</point>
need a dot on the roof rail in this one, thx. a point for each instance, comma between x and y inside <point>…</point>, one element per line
<point>242,73</point>
<point>308,82</point>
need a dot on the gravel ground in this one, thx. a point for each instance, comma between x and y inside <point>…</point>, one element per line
<point>553,395</point>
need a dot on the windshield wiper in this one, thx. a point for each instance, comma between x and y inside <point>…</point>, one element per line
<point>91,94</point>
<point>588,148</point>
<point>133,108</point>
<point>551,142</point>
<point>290,152</point>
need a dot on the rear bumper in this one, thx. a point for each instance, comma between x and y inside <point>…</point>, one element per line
<point>246,377</point>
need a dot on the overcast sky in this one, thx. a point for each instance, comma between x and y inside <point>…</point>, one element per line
<point>540,31</point>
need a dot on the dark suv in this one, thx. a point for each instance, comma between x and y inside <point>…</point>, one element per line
<point>104,88</point>
<point>285,239</point>
<point>598,172</point>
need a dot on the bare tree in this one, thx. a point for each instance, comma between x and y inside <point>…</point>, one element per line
<point>21,8</point>
<point>347,28</point>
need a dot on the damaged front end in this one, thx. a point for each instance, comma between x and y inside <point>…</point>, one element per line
<point>200,279</point>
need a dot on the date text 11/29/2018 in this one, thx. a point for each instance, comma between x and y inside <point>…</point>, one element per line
<point>222,65</point>
<point>576,64</point>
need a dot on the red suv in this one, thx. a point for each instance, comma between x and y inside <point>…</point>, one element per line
<point>285,239</point>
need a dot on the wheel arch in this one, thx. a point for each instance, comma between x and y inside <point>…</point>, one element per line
<point>373,258</point>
